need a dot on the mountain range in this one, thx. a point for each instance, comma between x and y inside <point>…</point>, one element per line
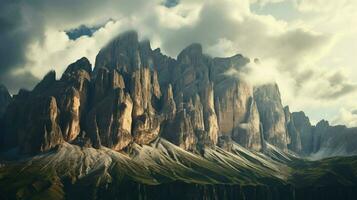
<point>142,125</point>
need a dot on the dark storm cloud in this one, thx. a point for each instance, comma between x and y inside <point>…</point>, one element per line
<point>14,82</point>
<point>17,29</point>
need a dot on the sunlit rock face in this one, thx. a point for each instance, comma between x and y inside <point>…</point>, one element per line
<point>272,115</point>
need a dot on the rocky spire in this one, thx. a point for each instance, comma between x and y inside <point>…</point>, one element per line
<point>272,115</point>
<point>210,117</point>
<point>303,126</point>
<point>169,108</point>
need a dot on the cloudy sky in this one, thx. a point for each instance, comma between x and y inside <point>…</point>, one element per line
<point>306,46</point>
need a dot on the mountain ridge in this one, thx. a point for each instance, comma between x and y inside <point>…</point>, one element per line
<point>131,95</point>
<point>142,125</point>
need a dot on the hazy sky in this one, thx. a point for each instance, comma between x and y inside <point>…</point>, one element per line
<point>307,46</point>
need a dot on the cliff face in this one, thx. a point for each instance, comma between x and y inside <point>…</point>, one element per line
<point>272,115</point>
<point>203,103</point>
<point>328,141</point>
<point>294,133</point>
<point>303,126</point>
<point>136,95</point>
<point>38,120</point>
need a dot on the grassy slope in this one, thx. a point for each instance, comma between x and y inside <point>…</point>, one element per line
<point>337,171</point>
<point>30,183</point>
<point>75,170</point>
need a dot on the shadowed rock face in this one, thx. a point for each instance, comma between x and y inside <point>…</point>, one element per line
<point>136,94</point>
<point>294,133</point>
<point>329,141</point>
<point>303,126</point>
<point>5,99</point>
<point>34,123</point>
<point>65,103</point>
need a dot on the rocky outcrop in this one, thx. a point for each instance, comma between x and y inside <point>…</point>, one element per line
<point>272,115</point>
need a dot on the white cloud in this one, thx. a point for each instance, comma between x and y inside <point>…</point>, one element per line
<point>346,117</point>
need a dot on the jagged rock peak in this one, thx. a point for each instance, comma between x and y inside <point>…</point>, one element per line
<point>193,50</point>
<point>130,37</point>
<point>323,123</point>
<point>125,53</point>
<point>46,82</point>
<point>80,64</point>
